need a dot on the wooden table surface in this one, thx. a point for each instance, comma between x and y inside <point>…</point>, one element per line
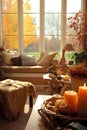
<point>35,121</point>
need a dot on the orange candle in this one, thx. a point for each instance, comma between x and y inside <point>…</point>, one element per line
<point>71,98</point>
<point>82,100</point>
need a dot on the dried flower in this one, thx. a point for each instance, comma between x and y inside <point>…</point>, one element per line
<point>79,70</point>
<point>78,24</point>
<point>54,68</point>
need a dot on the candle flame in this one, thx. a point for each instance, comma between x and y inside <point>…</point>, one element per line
<point>84,84</point>
<point>71,91</point>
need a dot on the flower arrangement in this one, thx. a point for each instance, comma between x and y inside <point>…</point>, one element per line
<point>54,68</point>
<point>78,25</point>
<point>79,70</point>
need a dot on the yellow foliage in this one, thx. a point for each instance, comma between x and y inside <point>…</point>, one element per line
<point>10,24</point>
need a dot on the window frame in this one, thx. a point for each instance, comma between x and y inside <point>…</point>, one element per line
<point>42,21</point>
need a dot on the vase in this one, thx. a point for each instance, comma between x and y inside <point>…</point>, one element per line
<point>78,81</point>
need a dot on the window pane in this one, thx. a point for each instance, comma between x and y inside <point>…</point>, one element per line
<point>71,11</point>
<point>52,6</point>
<point>52,43</point>
<point>52,25</point>
<point>11,42</point>
<point>73,6</point>
<point>31,6</point>
<point>31,24</point>
<point>31,20</point>
<point>9,6</point>
<point>10,26</point>
<point>31,44</point>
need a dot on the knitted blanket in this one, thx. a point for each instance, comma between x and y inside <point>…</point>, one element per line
<point>13,94</point>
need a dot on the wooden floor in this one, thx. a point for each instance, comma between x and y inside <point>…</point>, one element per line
<point>35,122</point>
<point>20,123</point>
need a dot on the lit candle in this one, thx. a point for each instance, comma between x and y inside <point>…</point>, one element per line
<point>82,100</point>
<point>71,98</point>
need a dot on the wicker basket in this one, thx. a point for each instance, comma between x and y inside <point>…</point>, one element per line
<point>58,121</point>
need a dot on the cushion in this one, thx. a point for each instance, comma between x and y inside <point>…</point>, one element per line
<point>47,58</point>
<point>28,60</point>
<point>16,60</point>
<point>7,57</point>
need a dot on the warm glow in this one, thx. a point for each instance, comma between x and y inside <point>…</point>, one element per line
<point>84,84</point>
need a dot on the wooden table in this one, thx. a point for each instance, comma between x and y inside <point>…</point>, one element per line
<point>56,84</point>
<point>35,121</point>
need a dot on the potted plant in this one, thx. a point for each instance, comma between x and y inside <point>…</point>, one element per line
<point>78,75</point>
<point>80,57</point>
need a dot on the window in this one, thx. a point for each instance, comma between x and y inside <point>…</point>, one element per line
<point>32,26</point>
<point>31,18</point>
<point>52,25</point>
<point>10,24</point>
